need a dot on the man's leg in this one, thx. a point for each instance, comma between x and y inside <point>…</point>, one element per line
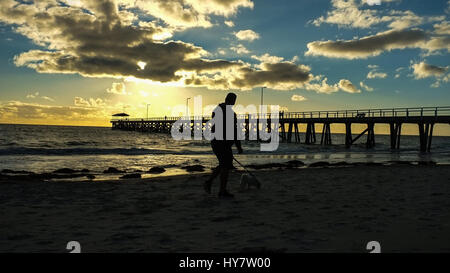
<point>208,183</point>
<point>223,193</point>
<point>214,174</point>
<point>223,180</point>
<point>217,151</point>
<point>227,165</point>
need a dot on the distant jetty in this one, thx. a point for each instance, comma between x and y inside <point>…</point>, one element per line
<point>424,117</point>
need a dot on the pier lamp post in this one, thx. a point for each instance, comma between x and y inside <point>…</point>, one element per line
<point>148,104</point>
<point>262,97</point>
<point>187,106</point>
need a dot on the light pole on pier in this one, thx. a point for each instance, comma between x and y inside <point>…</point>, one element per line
<point>187,106</point>
<point>262,97</point>
<point>148,104</point>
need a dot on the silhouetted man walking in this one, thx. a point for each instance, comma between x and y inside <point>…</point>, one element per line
<point>222,147</point>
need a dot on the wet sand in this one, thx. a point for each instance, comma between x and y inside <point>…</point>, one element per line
<point>405,208</point>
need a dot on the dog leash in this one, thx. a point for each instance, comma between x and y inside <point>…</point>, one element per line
<point>245,168</point>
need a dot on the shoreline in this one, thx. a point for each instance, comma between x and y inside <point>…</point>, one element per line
<point>114,174</point>
<point>317,209</point>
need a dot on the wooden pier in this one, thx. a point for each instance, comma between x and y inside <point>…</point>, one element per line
<point>424,117</point>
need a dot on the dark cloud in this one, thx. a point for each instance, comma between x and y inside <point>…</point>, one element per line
<point>376,44</point>
<point>101,45</point>
<point>188,13</point>
<point>274,75</point>
<point>424,70</point>
<point>279,76</point>
<point>96,41</point>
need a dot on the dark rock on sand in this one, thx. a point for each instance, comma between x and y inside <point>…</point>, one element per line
<point>340,163</point>
<point>295,163</point>
<point>85,171</point>
<point>266,166</point>
<point>319,164</point>
<point>8,171</point>
<point>131,176</point>
<point>113,170</point>
<point>46,176</point>
<point>289,164</point>
<point>65,171</point>
<point>399,162</point>
<point>157,170</point>
<point>194,168</point>
<point>374,164</point>
<point>90,177</point>
<point>427,163</point>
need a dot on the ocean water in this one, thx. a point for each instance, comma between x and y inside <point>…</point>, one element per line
<point>41,149</point>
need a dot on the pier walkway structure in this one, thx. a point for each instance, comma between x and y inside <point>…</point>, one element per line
<point>424,117</point>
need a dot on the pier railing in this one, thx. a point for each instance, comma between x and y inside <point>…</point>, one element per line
<point>361,113</point>
<point>383,112</point>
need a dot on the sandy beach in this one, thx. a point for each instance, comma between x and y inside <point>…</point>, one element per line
<point>339,209</point>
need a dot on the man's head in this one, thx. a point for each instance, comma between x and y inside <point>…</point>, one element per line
<point>230,99</point>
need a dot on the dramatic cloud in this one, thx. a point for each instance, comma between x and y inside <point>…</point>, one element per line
<point>107,38</point>
<point>298,98</point>
<point>188,13</point>
<point>248,35</point>
<point>423,70</point>
<point>279,76</point>
<point>347,13</point>
<point>102,45</point>
<point>373,2</point>
<point>442,28</point>
<point>374,45</point>
<point>319,84</point>
<point>282,76</point>
<point>99,39</point>
<point>322,87</point>
<point>407,19</point>
<point>353,14</point>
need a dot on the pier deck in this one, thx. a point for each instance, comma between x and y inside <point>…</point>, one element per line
<point>424,117</point>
